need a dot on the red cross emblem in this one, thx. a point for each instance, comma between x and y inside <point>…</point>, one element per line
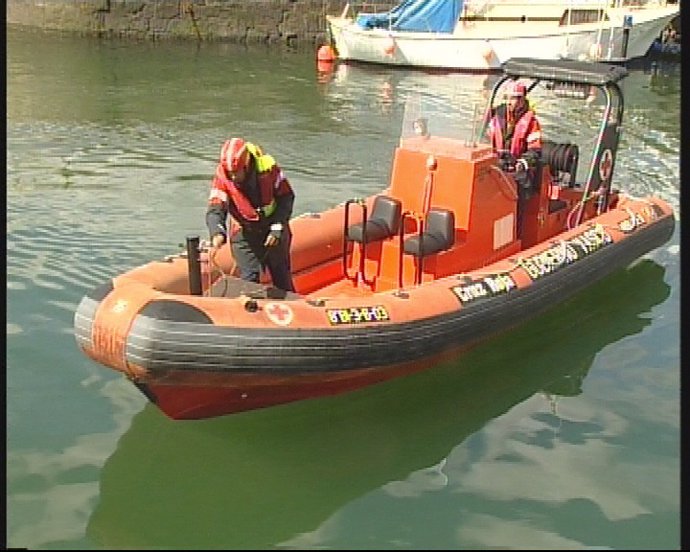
<point>605,165</point>
<point>279,313</point>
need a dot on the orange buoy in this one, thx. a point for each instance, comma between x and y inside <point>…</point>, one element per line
<point>325,54</point>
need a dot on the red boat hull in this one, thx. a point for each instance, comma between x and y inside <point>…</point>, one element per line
<point>185,396</point>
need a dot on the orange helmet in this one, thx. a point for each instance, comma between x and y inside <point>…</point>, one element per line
<point>516,89</point>
<point>234,155</point>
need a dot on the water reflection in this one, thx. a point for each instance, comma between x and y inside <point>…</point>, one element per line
<point>663,77</point>
<point>259,479</point>
<point>388,88</point>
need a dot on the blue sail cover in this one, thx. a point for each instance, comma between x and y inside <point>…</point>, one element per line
<point>434,16</point>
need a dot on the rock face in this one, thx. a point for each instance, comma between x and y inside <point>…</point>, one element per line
<point>289,22</point>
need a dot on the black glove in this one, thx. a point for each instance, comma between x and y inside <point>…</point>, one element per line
<point>506,161</point>
<point>521,165</point>
<point>532,157</point>
<point>274,235</point>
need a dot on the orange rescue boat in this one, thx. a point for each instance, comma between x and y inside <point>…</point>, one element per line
<point>386,285</point>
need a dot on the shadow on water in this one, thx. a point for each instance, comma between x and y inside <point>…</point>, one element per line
<point>257,479</point>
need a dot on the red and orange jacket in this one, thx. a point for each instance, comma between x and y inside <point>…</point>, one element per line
<point>526,135</point>
<point>263,198</point>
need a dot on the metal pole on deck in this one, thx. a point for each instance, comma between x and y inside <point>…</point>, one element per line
<point>627,24</point>
<point>194,265</point>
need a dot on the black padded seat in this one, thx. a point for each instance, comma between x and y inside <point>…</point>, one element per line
<point>383,223</point>
<point>438,235</point>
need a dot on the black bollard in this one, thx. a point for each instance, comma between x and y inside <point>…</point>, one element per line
<point>194,265</point>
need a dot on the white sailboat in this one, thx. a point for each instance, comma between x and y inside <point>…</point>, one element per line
<point>481,35</point>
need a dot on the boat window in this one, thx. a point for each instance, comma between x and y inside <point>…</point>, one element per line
<point>425,116</point>
<point>578,17</point>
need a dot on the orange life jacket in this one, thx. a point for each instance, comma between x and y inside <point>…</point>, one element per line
<point>266,179</point>
<point>518,144</point>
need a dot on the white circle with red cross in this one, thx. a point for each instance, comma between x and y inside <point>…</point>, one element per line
<point>278,313</point>
<point>605,164</point>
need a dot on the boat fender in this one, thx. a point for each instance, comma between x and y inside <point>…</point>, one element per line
<point>489,55</point>
<point>595,51</point>
<point>389,46</point>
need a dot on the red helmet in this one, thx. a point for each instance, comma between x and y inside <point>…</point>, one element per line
<point>234,155</point>
<point>516,90</point>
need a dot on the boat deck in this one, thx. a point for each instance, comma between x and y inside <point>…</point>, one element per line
<point>344,288</point>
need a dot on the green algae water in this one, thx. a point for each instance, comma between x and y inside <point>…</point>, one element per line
<point>562,434</point>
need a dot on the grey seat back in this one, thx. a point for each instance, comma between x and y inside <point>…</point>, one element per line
<point>383,223</point>
<point>438,235</point>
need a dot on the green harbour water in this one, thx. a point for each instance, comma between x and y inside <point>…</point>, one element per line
<point>561,434</point>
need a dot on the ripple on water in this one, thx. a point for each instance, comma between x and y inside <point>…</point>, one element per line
<point>12,285</point>
<point>13,329</point>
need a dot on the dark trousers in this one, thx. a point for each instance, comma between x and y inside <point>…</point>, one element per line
<point>252,256</point>
<point>526,189</point>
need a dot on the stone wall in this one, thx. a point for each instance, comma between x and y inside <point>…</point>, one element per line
<point>243,21</point>
<point>290,22</point>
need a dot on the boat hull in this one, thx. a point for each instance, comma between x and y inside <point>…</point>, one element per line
<point>184,395</point>
<point>485,45</point>
<point>198,357</point>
